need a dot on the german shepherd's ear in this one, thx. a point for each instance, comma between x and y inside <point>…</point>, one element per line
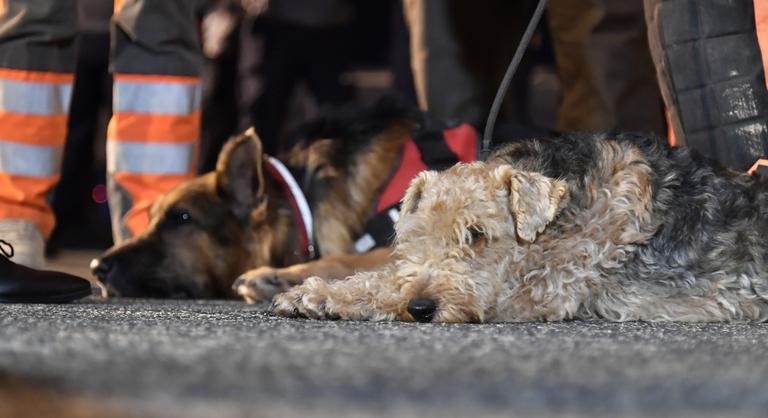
<point>240,172</point>
<point>534,200</point>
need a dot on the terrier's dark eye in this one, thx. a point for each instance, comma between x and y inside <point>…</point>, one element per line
<point>475,234</point>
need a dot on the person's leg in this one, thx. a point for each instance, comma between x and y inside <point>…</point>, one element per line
<point>488,34</point>
<point>326,54</point>
<point>604,65</point>
<point>221,96</point>
<point>444,85</point>
<point>36,74</point>
<point>710,68</point>
<point>278,75</point>
<point>155,128</point>
<point>72,201</point>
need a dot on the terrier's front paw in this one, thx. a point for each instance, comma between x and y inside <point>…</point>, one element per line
<point>311,299</point>
<point>261,284</point>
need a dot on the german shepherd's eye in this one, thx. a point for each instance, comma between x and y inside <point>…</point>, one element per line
<point>475,234</point>
<point>176,217</point>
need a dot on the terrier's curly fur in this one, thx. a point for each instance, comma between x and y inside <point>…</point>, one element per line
<point>583,226</point>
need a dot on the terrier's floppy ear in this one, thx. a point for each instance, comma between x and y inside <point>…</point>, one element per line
<point>240,173</point>
<point>534,200</point>
<point>412,195</point>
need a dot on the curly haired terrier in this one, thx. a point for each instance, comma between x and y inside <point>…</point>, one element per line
<point>621,228</point>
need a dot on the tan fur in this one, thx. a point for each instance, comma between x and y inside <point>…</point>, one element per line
<point>343,214</point>
<point>264,282</point>
<point>519,264</point>
<point>339,217</point>
<point>208,231</point>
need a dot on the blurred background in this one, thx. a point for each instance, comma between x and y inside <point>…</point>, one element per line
<point>276,65</point>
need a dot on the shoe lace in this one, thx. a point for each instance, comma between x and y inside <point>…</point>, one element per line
<point>6,248</point>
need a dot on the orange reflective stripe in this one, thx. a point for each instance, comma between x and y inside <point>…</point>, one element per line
<point>761,26</point>
<point>37,76</point>
<point>33,129</point>
<point>118,5</point>
<point>25,189</point>
<point>156,78</point>
<point>144,190</point>
<point>25,198</point>
<point>143,127</point>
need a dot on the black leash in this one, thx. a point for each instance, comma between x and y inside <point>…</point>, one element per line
<point>6,248</point>
<point>502,91</point>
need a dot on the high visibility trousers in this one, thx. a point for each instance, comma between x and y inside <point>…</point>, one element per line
<point>607,75</point>
<point>36,74</point>
<point>154,131</point>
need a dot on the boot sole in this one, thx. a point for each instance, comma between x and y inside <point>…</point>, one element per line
<point>709,108</point>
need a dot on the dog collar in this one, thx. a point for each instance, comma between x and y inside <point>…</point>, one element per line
<point>299,205</point>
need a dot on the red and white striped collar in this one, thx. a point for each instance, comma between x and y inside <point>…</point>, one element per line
<point>299,205</point>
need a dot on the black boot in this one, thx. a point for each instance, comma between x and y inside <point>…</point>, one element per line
<point>20,284</point>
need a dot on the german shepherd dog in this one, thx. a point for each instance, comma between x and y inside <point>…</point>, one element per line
<point>241,217</point>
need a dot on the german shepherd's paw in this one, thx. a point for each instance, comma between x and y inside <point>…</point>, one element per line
<point>312,299</point>
<point>262,284</point>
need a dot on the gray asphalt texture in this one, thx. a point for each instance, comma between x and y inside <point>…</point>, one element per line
<point>174,359</point>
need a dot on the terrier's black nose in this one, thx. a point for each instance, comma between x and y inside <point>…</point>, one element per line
<point>100,267</point>
<point>421,309</point>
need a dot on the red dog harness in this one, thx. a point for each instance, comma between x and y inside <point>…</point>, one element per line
<point>426,149</point>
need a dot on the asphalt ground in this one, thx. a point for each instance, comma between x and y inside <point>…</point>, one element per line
<point>227,359</point>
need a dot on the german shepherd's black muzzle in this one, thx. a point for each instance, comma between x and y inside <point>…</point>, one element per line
<point>135,269</point>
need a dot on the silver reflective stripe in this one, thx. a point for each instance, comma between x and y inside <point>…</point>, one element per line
<point>157,98</point>
<point>149,158</point>
<point>29,160</point>
<point>34,98</point>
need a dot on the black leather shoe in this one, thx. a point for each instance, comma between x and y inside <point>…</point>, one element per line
<point>20,284</point>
